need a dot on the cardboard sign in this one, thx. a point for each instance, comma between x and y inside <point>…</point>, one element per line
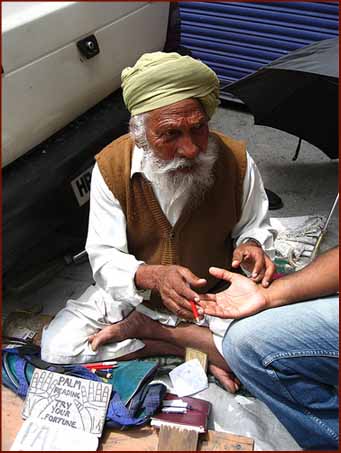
<point>67,401</point>
<point>38,435</point>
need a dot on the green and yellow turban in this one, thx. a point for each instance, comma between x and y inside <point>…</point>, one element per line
<point>159,79</point>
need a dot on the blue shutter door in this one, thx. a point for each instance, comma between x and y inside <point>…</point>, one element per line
<point>237,38</point>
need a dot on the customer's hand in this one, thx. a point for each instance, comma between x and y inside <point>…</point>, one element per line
<point>242,298</point>
<point>253,258</point>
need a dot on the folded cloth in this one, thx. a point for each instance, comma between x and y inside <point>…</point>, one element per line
<point>142,406</point>
<point>147,400</point>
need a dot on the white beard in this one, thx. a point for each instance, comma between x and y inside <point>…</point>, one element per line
<point>174,183</point>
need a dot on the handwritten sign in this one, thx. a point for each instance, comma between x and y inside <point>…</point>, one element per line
<point>67,401</point>
<point>38,435</point>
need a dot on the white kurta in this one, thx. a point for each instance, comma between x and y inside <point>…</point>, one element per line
<point>115,294</point>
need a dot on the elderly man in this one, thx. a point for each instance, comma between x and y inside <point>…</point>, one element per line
<point>167,201</point>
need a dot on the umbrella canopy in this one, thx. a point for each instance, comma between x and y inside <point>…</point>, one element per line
<point>298,93</point>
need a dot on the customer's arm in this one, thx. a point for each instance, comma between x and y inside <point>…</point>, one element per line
<point>245,298</point>
<point>319,278</point>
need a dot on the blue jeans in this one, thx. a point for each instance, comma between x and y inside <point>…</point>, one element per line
<point>288,358</point>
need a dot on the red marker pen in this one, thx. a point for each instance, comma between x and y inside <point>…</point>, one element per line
<point>195,311</point>
<point>98,366</point>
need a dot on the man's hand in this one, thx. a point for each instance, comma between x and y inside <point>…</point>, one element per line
<point>254,260</point>
<point>243,297</point>
<point>173,283</point>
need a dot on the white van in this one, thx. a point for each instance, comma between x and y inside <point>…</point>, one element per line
<point>61,66</point>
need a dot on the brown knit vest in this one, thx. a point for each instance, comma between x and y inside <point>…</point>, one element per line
<point>202,235</point>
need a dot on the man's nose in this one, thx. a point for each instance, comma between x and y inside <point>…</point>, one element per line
<point>187,148</point>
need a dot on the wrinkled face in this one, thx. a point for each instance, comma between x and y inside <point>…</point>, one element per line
<point>178,130</point>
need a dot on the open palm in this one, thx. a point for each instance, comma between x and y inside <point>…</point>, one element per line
<point>242,298</point>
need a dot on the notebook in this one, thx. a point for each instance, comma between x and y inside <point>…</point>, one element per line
<point>195,417</point>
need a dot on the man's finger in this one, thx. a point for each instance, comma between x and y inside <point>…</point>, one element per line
<point>102,337</point>
<point>179,310</point>
<point>269,272</point>
<point>258,260</point>
<point>257,272</point>
<point>183,303</point>
<point>178,305</point>
<point>186,294</point>
<point>192,279</point>
<point>221,274</point>
<point>181,297</point>
<point>238,257</point>
<point>90,339</point>
<point>258,277</point>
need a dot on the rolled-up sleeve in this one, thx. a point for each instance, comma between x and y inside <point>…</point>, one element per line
<point>254,221</point>
<point>112,266</point>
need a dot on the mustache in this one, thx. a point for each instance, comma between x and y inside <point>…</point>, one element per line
<point>180,162</point>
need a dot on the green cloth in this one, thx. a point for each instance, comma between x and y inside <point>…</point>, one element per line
<point>130,375</point>
<point>159,79</point>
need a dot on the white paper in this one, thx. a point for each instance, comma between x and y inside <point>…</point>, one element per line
<point>67,401</point>
<point>174,403</point>
<point>188,378</point>
<point>39,435</point>
<point>174,410</point>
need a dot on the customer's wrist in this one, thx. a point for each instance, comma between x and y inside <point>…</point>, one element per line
<point>266,293</point>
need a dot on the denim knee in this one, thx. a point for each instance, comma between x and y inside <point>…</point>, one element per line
<point>287,358</point>
<point>243,344</point>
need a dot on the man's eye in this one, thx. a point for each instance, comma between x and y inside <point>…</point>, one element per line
<point>170,133</point>
<point>198,126</point>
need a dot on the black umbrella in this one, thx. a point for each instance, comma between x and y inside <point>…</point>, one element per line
<point>298,93</point>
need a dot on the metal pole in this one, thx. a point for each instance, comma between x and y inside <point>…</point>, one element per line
<point>324,229</point>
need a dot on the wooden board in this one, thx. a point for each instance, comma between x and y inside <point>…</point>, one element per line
<point>174,439</point>
<point>217,441</point>
<point>196,354</point>
<point>143,438</point>
<point>146,438</point>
